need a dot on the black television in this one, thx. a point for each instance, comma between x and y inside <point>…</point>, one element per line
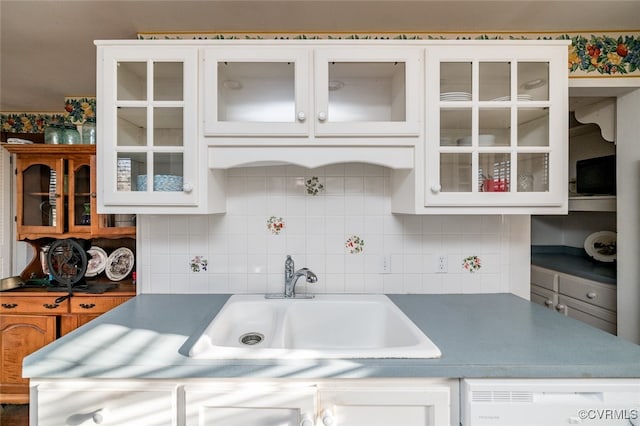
<point>596,176</point>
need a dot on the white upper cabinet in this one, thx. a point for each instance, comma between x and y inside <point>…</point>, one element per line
<point>148,150</point>
<point>310,92</point>
<point>496,126</point>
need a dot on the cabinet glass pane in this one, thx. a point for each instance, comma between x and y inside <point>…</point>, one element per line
<point>39,196</point>
<point>367,91</point>
<point>131,172</point>
<point>167,81</point>
<point>533,81</point>
<point>132,126</point>
<point>494,172</point>
<point>455,172</point>
<point>495,127</point>
<point>455,81</point>
<point>533,127</point>
<point>132,81</point>
<point>533,172</point>
<point>168,171</point>
<point>168,127</point>
<point>256,92</point>
<point>495,81</point>
<point>81,214</point>
<point>455,127</point>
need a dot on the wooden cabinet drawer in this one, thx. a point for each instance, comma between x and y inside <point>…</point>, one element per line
<point>544,278</point>
<point>592,292</point>
<point>33,305</point>
<point>95,305</point>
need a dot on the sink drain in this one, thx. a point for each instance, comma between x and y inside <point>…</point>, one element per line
<point>251,339</point>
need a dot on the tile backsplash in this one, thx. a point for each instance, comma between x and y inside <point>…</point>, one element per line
<point>335,220</point>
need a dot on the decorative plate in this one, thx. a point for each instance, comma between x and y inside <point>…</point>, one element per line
<point>119,264</point>
<point>97,261</point>
<point>601,246</point>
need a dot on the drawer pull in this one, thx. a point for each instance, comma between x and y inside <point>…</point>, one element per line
<point>592,295</point>
<point>50,305</point>
<point>548,303</point>
<point>87,305</point>
<point>9,305</point>
<point>560,308</point>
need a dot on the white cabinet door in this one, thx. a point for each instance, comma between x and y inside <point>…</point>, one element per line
<point>384,406</point>
<point>87,403</point>
<point>496,119</point>
<point>147,118</point>
<point>249,403</point>
<point>368,91</point>
<point>255,91</point>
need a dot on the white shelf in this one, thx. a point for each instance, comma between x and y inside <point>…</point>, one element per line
<point>593,203</point>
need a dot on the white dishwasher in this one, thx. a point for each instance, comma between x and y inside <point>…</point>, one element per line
<point>549,402</point>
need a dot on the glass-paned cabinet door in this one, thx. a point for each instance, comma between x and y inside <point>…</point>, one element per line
<point>256,92</point>
<point>497,126</point>
<point>41,195</point>
<point>150,143</point>
<point>368,91</point>
<point>79,194</point>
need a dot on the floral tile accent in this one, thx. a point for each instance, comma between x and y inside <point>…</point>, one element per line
<point>354,244</point>
<point>609,53</point>
<point>80,108</point>
<point>275,225</point>
<point>27,122</point>
<point>472,263</point>
<point>198,264</point>
<point>313,186</point>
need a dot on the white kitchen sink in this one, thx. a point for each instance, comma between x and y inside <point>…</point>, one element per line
<point>327,326</point>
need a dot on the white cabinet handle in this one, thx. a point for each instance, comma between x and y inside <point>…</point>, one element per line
<point>327,418</point>
<point>98,417</point>
<point>307,420</point>
<point>560,308</point>
<point>322,116</point>
<point>548,302</point>
<point>302,116</point>
<point>436,188</point>
<point>187,187</point>
<point>592,295</point>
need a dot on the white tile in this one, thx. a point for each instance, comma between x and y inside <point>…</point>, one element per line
<point>412,243</point>
<point>334,185</point>
<point>354,283</point>
<point>218,245</point>
<point>335,244</point>
<point>257,283</point>
<point>354,205</point>
<point>374,185</point>
<point>392,284</point>
<point>412,283</point>
<point>295,225</point>
<point>296,244</point>
<point>315,225</point>
<point>276,244</point>
<point>373,170</point>
<point>293,170</point>
<point>393,224</point>
<point>275,185</point>
<point>198,224</point>
<point>315,244</point>
<point>397,264</point>
<point>334,170</point>
<point>198,283</point>
<point>276,205</point>
<point>335,263</point>
<point>257,263</point>
<point>354,185</point>
<point>237,264</point>
<point>316,262</point>
<point>218,263</point>
<point>490,283</point>
<point>295,206</point>
<point>159,244</point>
<point>179,283</point>
<point>296,185</point>
<point>392,244</point>
<point>160,264</point>
<point>161,283</point>
<point>219,283</point>
<point>217,224</point>
<point>238,283</point>
<point>354,264</point>
<point>412,264</point>
<point>198,244</point>
<point>354,169</point>
<point>179,244</point>
<point>374,205</point>
<point>412,224</point>
<point>373,224</point>
<point>315,205</point>
<point>237,244</point>
<point>374,243</point>
<point>237,224</point>
<point>373,283</point>
<point>179,225</point>
<point>258,244</point>
<point>256,186</point>
<point>432,284</point>
<point>334,205</point>
<point>335,283</point>
<point>353,225</point>
<point>335,224</point>
<point>431,224</point>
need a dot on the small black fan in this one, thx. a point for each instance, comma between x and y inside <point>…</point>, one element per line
<point>67,262</point>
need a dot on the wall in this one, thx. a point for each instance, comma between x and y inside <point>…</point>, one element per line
<point>237,253</point>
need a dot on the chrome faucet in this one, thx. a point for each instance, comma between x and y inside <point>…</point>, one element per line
<point>291,277</point>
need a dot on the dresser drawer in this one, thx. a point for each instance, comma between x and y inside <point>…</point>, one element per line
<point>95,305</point>
<point>544,278</point>
<point>597,294</point>
<point>33,305</point>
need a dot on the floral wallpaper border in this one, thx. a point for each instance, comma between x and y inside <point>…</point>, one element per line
<point>76,109</point>
<point>591,54</point>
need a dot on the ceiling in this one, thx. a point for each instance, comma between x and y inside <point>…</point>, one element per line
<point>47,51</point>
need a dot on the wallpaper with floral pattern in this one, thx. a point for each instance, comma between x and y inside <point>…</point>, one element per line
<point>76,109</point>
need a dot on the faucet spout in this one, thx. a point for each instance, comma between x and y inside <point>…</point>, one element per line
<point>291,277</point>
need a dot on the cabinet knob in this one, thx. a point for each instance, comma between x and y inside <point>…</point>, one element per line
<point>307,420</point>
<point>94,195</point>
<point>327,418</point>
<point>548,303</point>
<point>592,295</point>
<point>322,116</point>
<point>50,305</point>
<point>187,187</point>
<point>9,305</point>
<point>302,116</point>
<point>560,307</point>
<point>436,189</point>
<point>87,305</point>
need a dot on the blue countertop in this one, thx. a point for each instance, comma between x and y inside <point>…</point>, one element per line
<point>574,261</point>
<point>496,335</point>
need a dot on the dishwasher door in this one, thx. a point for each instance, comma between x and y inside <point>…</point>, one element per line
<point>549,402</point>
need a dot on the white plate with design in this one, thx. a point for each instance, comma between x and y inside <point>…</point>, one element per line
<point>602,246</point>
<point>119,264</point>
<point>96,262</point>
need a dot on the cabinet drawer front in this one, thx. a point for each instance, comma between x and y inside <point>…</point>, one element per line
<point>544,278</point>
<point>543,296</point>
<point>592,315</point>
<point>95,305</point>
<point>32,305</point>
<point>588,291</point>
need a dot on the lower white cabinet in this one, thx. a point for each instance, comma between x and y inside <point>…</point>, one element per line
<point>236,402</point>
